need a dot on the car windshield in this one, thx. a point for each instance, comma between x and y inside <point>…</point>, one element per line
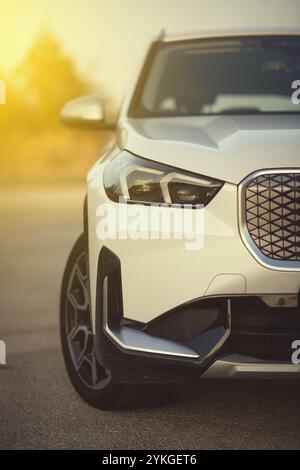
<point>241,75</point>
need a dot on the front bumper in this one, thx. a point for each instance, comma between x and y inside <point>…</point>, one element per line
<point>160,351</point>
<point>130,364</point>
<point>235,366</point>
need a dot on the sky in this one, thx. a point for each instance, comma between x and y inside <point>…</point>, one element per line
<point>108,38</point>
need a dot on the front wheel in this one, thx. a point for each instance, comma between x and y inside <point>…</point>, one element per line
<point>92,382</point>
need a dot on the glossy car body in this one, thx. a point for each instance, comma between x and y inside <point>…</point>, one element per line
<point>230,309</point>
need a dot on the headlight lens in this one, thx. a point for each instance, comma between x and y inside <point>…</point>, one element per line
<point>135,179</point>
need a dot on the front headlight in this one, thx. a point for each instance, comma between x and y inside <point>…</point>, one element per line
<point>134,179</point>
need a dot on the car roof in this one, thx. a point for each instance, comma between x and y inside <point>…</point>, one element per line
<point>186,36</point>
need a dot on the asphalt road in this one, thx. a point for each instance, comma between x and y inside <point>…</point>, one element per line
<point>38,407</point>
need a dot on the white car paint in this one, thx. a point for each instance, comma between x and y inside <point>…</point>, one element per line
<point>159,275</point>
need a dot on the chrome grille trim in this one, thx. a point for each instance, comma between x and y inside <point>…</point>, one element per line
<point>267,257</point>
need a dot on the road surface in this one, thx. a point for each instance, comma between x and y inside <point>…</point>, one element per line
<point>38,407</point>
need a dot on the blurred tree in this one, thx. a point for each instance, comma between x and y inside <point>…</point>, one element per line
<point>34,145</point>
<point>47,79</point>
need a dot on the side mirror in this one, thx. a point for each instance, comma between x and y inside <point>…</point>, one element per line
<point>86,113</point>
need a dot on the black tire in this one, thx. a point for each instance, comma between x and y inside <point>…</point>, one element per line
<point>103,393</point>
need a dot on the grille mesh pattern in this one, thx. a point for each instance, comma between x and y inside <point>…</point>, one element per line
<point>272,203</point>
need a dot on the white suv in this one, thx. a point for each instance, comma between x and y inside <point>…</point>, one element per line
<point>211,130</point>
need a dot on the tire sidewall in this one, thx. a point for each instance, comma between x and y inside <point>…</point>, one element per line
<point>99,398</point>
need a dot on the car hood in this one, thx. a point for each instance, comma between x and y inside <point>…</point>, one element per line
<point>224,147</point>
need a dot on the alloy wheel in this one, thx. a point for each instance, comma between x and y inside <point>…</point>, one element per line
<point>78,328</point>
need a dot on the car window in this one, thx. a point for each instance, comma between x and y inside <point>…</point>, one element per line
<point>248,75</point>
